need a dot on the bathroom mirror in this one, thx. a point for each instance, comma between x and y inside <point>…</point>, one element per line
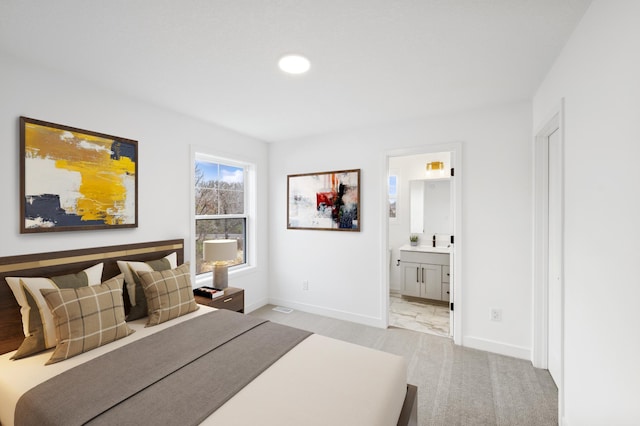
<point>430,206</point>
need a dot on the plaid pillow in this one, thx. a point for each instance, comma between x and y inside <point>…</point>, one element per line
<point>138,303</point>
<point>37,321</point>
<point>86,317</point>
<point>169,293</point>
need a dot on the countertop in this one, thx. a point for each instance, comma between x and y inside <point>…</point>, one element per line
<point>426,249</point>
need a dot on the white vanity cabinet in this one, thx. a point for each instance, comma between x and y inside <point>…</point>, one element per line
<point>425,274</point>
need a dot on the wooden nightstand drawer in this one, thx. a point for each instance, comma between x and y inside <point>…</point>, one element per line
<point>233,300</point>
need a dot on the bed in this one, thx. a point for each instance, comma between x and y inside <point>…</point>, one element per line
<point>234,370</point>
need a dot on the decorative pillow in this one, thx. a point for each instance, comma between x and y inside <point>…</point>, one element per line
<point>169,293</point>
<point>86,317</point>
<point>37,321</point>
<point>130,270</point>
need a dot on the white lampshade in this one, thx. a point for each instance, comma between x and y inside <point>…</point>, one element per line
<point>220,250</point>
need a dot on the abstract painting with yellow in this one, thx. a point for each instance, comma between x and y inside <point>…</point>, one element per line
<point>77,179</point>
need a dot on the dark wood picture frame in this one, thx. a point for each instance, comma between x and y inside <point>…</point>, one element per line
<point>327,201</point>
<point>73,179</point>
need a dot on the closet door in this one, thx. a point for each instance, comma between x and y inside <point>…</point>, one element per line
<point>555,257</point>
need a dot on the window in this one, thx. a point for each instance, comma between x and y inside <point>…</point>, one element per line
<point>393,196</point>
<point>220,206</point>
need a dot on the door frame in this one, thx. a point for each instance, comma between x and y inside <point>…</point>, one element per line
<point>455,148</point>
<point>541,246</point>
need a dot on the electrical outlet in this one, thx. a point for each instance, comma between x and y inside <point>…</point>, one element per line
<point>496,314</point>
<point>305,285</point>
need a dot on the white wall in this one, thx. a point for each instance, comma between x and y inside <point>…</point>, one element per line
<point>164,165</point>
<point>598,74</point>
<point>344,268</point>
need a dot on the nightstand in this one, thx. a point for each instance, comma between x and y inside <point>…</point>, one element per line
<point>233,300</point>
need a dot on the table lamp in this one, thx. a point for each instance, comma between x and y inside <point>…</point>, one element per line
<point>221,252</point>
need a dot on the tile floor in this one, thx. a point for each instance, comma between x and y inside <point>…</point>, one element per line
<point>417,316</point>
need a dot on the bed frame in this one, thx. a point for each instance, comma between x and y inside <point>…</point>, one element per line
<point>73,261</point>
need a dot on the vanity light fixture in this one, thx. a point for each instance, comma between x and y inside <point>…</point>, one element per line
<point>435,166</point>
<point>294,64</point>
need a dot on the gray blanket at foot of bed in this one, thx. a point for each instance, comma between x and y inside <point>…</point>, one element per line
<point>177,376</point>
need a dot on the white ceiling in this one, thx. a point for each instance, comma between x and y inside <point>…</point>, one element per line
<point>373,61</point>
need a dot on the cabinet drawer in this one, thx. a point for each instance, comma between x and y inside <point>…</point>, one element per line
<point>445,274</point>
<point>233,303</point>
<point>446,292</point>
<point>424,257</point>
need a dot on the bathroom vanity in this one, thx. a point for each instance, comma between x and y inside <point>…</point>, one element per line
<point>425,272</point>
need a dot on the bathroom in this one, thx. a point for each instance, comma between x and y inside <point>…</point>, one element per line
<point>420,242</point>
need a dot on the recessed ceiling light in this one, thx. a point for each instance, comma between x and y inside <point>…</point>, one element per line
<point>294,64</point>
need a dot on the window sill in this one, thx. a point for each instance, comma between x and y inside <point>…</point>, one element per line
<point>207,278</point>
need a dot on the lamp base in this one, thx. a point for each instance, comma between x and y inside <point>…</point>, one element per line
<point>220,277</point>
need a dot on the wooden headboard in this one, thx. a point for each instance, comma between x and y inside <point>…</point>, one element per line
<point>67,262</point>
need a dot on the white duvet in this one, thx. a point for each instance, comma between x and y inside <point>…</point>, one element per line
<point>322,381</point>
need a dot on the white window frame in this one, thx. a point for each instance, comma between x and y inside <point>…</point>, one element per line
<point>250,201</point>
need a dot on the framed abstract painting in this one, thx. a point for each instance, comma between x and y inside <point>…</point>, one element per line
<point>73,179</point>
<point>327,201</point>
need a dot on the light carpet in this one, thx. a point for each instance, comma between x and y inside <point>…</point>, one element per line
<point>456,385</point>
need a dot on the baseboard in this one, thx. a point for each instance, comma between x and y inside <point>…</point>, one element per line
<point>497,347</point>
<point>331,313</point>
<point>256,305</point>
<point>468,341</point>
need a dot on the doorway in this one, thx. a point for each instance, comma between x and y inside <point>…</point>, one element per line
<point>439,311</point>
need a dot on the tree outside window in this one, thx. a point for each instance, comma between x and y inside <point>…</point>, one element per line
<point>220,208</point>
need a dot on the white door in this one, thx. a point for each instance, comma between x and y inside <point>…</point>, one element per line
<point>452,259</point>
<point>555,258</point>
